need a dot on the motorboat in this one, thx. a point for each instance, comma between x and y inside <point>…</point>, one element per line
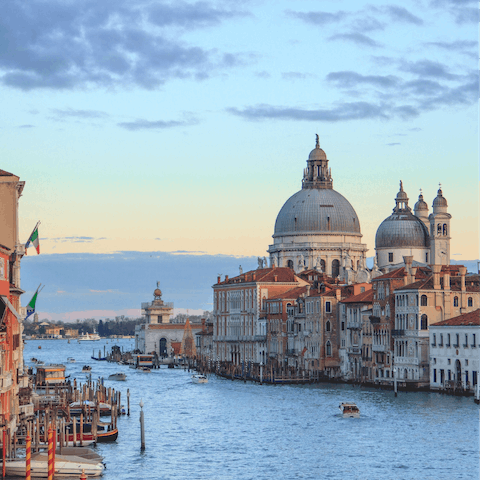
<point>144,369</point>
<point>89,337</point>
<point>71,360</point>
<point>76,408</point>
<point>199,378</point>
<point>106,432</point>
<point>119,376</point>
<point>65,466</point>
<point>349,409</point>
<point>86,368</point>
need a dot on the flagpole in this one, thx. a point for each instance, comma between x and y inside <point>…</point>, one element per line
<point>36,226</point>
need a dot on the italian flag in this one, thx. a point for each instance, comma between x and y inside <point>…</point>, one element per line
<point>31,304</point>
<point>33,239</point>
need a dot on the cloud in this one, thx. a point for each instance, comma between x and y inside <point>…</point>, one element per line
<point>455,46</point>
<point>356,38</point>
<point>73,239</point>
<point>319,18</point>
<point>428,68</point>
<point>401,14</point>
<point>142,124</point>
<point>262,74</point>
<point>72,113</point>
<point>343,112</point>
<point>104,291</point>
<point>70,45</point>
<point>199,14</point>
<point>26,126</point>
<point>348,79</point>
<point>394,144</point>
<point>296,76</point>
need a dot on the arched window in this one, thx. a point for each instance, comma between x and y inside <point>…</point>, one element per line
<point>445,229</point>
<point>423,301</point>
<point>290,264</point>
<point>439,229</point>
<point>327,326</point>
<point>455,301</point>
<point>328,348</point>
<point>335,268</point>
<point>470,302</point>
<point>322,265</point>
<point>424,322</point>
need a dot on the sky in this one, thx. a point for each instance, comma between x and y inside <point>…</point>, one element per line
<point>181,128</point>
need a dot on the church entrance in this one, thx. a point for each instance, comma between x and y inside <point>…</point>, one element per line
<point>163,347</point>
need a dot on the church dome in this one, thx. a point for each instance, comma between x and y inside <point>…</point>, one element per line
<point>317,154</point>
<point>421,204</point>
<point>313,210</point>
<point>402,229</point>
<point>440,200</point>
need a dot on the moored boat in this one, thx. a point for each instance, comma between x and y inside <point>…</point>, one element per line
<point>199,378</point>
<point>76,408</point>
<point>119,376</point>
<point>349,409</point>
<point>106,432</point>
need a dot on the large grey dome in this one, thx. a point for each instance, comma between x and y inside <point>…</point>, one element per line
<point>314,210</point>
<point>401,230</point>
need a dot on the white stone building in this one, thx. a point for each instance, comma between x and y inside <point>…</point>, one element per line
<point>318,228</point>
<point>454,352</point>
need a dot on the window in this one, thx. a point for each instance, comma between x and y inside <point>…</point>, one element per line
<point>434,375</point>
<point>470,302</point>
<point>423,301</point>
<point>474,344</point>
<point>455,301</point>
<point>343,326</point>
<point>445,230</point>
<point>290,264</point>
<point>426,257</point>
<point>335,268</point>
<point>424,322</point>
<point>466,362</point>
<point>457,343</point>
<point>328,348</point>
<point>390,256</point>
<point>434,343</point>
<point>327,326</point>
<point>440,343</point>
<point>328,307</point>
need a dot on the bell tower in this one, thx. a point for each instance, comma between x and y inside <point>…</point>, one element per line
<point>440,231</point>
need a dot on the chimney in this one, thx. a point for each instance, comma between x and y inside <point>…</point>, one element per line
<point>338,293</point>
<point>218,279</point>
<point>275,278</point>
<point>462,271</point>
<point>254,277</point>
<point>408,260</point>
<point>226,278</point>
<point>308,290</point>
<point>436,276</point>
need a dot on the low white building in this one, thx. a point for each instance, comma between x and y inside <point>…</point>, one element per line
<point>454,352</point>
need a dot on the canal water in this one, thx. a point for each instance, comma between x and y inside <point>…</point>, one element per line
<point>231,430</point>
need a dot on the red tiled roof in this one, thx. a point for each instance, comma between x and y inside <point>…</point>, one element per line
<point>364,297</point>
<point>291,294</point>
<point>472,284</point>
<point>422,272</point>
<point>465,320</point>
<point>3,173</point>
<point>263,275</point>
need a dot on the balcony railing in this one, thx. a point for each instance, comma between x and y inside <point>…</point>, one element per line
<point>378,348</point>
<point>398,333</point>
<point>354,350</point>
<point>354,325</point>
<point>260,338</point>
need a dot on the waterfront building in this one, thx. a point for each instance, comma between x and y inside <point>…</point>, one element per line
<point>424,237</point>
<point>239,311</point>
<point>383,316</point>
<point>204,343</point>
<point>358,309</point>
<point>446,293</point>
<point>11,345</point>
<point>454,357</point>
<point>318,227</point>
<point>157,335</point>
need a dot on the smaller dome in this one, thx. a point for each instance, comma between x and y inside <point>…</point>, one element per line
<point>401,195</point>
<point>440,200</point>
<point>317,154</point>
<point>157,293</point>
<point>421,204</point>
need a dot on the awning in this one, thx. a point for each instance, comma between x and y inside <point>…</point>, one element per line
<point>6,301</point>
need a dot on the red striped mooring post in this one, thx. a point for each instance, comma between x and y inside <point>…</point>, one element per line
<point>4,451</point>
<point>51,466</point>
<point>83,476</point>
<point>28,455</point>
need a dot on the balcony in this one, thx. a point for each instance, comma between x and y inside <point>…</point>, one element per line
<point>398,333</point>
<point>378,348</point>
<point>260,338</point>
<point>406,361</point>
<point>354,350</point>
<point>354,325</point>
<point>473,345</point>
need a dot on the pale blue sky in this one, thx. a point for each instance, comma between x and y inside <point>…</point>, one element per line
<point>164,126</point>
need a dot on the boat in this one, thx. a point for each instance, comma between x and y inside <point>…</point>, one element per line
<point>86,368</point>
<point>65,466</point>
<point>39,347</point>
<point>199,378</point>
<point>106,432</point>
<point>349,409</point>
<point>144,369</point>
<point>76,408</point>
<point>117,376</point>
<point>71,360</point>
<point>89,337</point>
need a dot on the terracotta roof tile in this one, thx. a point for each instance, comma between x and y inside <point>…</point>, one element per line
<point>364,297</point>
<point>465,320</point>
<point>291,294</point>
<point>263,275</point>
<point>3,173</point>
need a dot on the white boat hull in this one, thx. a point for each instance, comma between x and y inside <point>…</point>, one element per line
<point>199,379</point>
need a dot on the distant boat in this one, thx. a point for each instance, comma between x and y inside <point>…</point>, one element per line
<point>199,378</point>
<point>86,368</point>
<point>89,337</point>
<point>349,409</point>
<point>117,376</point>
<point>71,360</point>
